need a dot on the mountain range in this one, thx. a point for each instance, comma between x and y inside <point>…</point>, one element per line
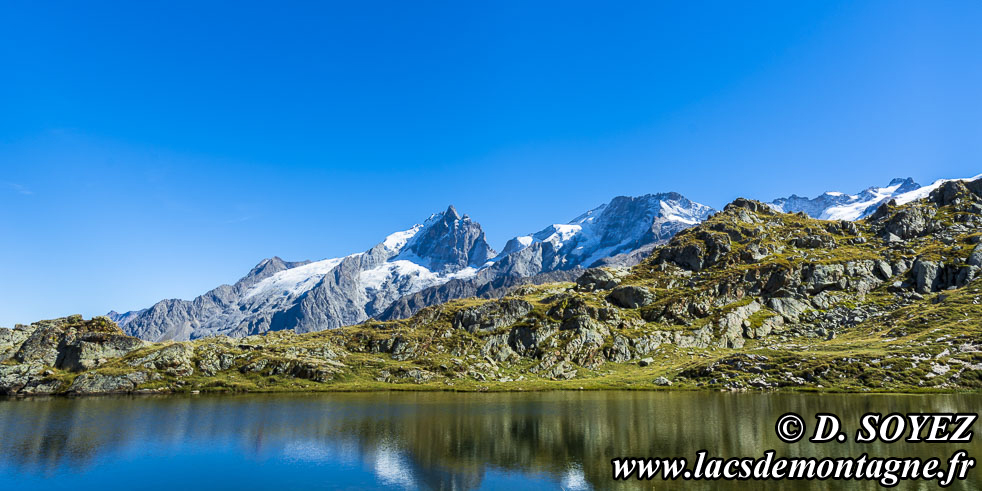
<point>447,257</point>
<point>834,205</point>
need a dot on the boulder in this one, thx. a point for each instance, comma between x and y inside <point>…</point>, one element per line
<point>975,187</point>
<point>174,359</point>
<point>824,301</point>
<point>698,250</point>
<point>662,381</point>
<point>790,308</point>
<point>766,327</point>
<point>883,270</point>
<point>631,297</point>
<point>98,383</point>
<point>951,192</point>
<point>700,338</point>
<point>975,259</point>
<point>892,239</point>
<point>821,277</point>
<point>909,222</point>
<point>419,376</point>
<point>689,257</point>
<point>967,274</point>
<point>751,205</point>
<point>560,371</point>
<point>814,242</point>
<point>596,279</point>
<point>648,343</point>
<point>925,275</point>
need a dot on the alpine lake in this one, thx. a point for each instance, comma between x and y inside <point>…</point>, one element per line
<point>429,440</point>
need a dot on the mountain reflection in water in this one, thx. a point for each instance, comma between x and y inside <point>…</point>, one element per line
<point>420,440</point>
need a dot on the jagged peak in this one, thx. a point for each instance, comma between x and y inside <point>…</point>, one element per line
<point>447,241</point>
<point>901,180</point>
<point>449,215</point>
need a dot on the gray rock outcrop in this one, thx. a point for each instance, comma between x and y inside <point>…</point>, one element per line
<point>490,316</point>
<point>596,279</point>
<point>631,297</point>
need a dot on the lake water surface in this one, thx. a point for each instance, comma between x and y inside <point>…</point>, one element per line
<point>449,441</point>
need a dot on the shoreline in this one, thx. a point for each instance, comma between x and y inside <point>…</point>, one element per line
<point>498,390</point>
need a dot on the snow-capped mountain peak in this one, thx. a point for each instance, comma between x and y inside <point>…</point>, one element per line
<point>447,242</point>
<point>327,293</point>
<point>840,206</point>
<point>919,192</point>
<point>834,205</point>
<point>622,225</point>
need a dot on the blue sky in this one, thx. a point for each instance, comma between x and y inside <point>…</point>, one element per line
<point>154,150</point>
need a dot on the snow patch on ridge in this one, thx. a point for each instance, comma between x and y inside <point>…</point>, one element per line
<point>398,240</point>
<point>676,212</point>
<point>834,205</point>
<point>927,190</point>
<point>294,281</point>
<point>871,197</point>
<point>417,277</point>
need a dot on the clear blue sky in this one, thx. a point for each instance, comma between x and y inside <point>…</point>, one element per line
<point>154,150</point>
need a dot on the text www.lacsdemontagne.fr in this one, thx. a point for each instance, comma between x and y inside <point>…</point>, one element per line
<point>886,471</point>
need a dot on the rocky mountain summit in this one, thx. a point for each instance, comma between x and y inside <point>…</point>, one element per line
<point>752,298</point>
<point>620,227</point>
<point>444,258</point>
